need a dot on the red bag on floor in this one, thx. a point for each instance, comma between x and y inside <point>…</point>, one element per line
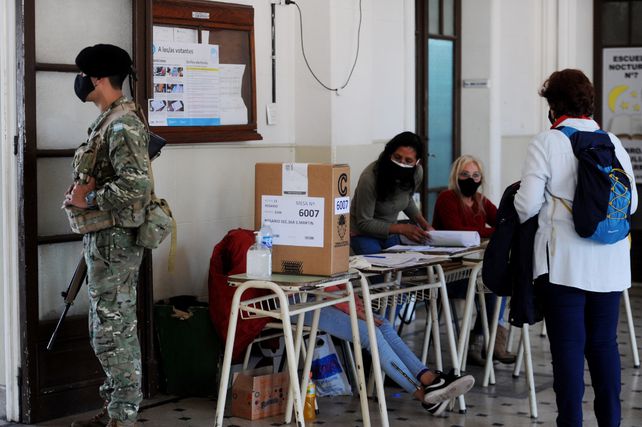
<point>228,258</point>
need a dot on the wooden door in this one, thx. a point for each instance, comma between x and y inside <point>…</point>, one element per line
<point>52,123</point>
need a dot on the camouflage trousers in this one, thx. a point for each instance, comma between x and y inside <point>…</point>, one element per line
<point>113,261</point>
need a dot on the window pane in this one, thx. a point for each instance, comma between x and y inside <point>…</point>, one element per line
<point>615,24</point>
<point>56,266</point>
<point>449,17</point>
<point>61,119</point>
<point>54,178</point>
<point>432,199</point>
<point>64,27</point>
<point>636,16</point>
<point>440,111</point>
<point>433,16</point>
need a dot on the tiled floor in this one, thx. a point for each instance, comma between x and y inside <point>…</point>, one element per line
<point>504,404</point>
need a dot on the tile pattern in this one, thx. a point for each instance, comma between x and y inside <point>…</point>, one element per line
<point>504,404</point>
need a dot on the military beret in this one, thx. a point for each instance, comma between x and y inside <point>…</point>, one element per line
<point>103,60</point>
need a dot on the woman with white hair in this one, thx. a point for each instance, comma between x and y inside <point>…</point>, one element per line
<point>462,207</point>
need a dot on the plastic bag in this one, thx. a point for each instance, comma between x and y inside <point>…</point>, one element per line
<point>328,374</point>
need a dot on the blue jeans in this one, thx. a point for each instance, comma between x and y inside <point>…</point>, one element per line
<point>364,245</point>
<point>391,347</point>
<point>582,324</point>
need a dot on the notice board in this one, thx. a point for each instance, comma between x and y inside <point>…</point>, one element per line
<point>203,79</point>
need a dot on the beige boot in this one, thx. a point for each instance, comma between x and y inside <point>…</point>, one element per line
<point>101,419</point>
<point>499,352</point>
<point>476,351</point>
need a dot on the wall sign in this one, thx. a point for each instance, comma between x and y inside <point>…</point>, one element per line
<point>622,100</point>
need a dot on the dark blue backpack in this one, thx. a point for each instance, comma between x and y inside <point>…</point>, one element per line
<point>602,201</point>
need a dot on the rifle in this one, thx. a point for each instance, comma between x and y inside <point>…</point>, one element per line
<point>156,143</point>
<point>70,296</point>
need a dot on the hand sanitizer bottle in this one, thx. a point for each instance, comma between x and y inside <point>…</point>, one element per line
<point>259,260</point>
<point>266,234</point>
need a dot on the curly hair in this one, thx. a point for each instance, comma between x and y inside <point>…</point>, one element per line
<point>385,184</point>
<point>569,92</point>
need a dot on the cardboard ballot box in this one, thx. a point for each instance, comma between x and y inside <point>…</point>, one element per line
<point>259,393</point>
<point>308,207</point>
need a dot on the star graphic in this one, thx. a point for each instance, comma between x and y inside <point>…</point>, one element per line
<point>624,105</point>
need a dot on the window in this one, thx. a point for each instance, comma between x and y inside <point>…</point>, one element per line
<point>438,54</point>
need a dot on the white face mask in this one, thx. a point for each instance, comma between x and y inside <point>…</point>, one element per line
<point>402,165</point>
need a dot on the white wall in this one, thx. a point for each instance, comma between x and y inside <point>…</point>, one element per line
<point>533,39</point>
<point>210,187</point>
<point>314,124</point>
<point>351,125</point>
<point>480,116</point>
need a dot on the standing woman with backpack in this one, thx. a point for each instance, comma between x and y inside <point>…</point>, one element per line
<point>578,280</point>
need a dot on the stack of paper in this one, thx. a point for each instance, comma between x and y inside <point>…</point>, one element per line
<point>393,259</point>
<point>427,248</point>
<point>453,238</point>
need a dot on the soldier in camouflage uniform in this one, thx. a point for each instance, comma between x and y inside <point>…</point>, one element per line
<point>119,186</point>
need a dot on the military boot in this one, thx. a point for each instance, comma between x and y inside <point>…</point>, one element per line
<point>101,419</point>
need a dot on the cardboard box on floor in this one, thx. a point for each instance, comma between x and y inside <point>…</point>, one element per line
<point>308,207</point>
<point>259,393</point>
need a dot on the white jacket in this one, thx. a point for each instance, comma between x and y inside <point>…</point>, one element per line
<point>550,169</point>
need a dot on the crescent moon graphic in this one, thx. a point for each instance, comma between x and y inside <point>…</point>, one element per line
<point>613,95</point>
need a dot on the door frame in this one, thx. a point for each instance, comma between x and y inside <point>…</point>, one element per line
<point>39,401</point>
<point>8,168</point>
<point>422,36</point>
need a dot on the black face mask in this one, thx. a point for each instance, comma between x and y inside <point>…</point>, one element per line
<point>468,186</point>
<point>83,87</point>
<point>402,174</point>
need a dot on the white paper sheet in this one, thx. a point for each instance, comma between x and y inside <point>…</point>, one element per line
<point>233,109</point>
<point>453,238</point>
<point>426,249</point>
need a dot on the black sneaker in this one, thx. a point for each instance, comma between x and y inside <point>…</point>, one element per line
<point>446,387</point>
<point>436,409</point>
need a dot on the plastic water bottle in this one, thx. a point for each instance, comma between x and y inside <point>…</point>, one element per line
<point>259,260</point>
<point>266,234</point>
<point>309,406</point>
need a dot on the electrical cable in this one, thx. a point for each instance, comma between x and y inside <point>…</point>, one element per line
<point>356,57</point>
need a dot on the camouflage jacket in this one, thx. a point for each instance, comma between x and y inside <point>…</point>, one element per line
<point>115,154</point>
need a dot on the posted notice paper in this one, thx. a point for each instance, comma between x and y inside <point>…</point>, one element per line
<point>187,88</point>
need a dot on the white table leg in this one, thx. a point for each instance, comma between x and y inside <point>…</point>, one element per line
<point>227,355</point>
<point>629,319</point>
<point>464,331</point>
<point>528,362</point>
<point>520,356</point>
<point>449,331</point>
<point>488,368</point>
<point>374,351</point>
<point>356,341</point>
